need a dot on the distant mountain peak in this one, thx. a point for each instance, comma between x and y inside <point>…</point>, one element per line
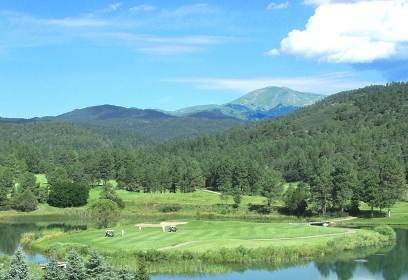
<point>269,97</point>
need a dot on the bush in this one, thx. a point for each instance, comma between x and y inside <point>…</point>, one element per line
<point>25,202</point>
<point>119,201</point>
<point>26,239</point>
<point>66,194</point>
<point>387,231</point>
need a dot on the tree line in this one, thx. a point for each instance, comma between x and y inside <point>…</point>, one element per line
<point>346,148</point>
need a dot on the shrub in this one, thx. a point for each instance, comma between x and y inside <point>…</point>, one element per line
<point>119,201</point>
<point>26,239</point>
<point>387,231</point>
<point>25,202</point>
<point>66,194</point>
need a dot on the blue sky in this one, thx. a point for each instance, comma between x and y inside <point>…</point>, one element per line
<point>57,56</point>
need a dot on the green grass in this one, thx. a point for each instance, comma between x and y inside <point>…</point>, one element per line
<point>204,235</point>
<point>42,180</point>
<point>399,215</point>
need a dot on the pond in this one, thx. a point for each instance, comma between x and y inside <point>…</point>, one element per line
<point>389,262</point>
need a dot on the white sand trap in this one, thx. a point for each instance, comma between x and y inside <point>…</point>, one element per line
<point>162,224</point>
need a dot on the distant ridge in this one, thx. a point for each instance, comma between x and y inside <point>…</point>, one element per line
<point>198,120</point>
<point>105,112</point>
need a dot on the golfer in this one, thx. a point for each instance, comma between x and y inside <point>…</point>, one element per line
<point>123,232</point>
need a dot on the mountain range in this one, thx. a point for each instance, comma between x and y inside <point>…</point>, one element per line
<point>189,122</point>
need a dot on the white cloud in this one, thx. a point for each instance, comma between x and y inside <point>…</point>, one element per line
<point>115,6</point>
<point>278,6</point>
<point>323,84</point>
<point>360,32</point>
<point>272,52</point>
<point>144,8</point>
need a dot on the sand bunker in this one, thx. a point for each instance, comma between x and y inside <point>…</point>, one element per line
<point>162,224</point>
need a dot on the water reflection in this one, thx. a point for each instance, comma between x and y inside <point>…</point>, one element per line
<point>10,234</point>
<point>390,263</point>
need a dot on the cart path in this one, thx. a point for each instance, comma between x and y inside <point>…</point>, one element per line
<point>350,231</point>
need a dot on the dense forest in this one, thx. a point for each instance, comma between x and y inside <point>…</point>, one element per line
<point>346,148</point>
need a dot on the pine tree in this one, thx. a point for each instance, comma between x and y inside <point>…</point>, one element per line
<point>94,267</point>
<point>124,274</point>
<point>18,269</point>
<point>75,269</point>
<point>53,272</point>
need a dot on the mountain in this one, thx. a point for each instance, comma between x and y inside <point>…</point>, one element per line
<point>189,122</point>
<point>107,112</point>
<point>263,103</point>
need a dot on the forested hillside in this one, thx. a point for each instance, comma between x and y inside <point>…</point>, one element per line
<point>346,148</point>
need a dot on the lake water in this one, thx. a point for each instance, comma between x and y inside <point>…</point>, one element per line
<point>389,262</point>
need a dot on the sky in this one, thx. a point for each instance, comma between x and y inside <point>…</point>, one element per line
<point>58,56</point>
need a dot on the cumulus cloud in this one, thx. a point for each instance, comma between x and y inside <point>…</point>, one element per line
<point>278,6</point>
<point>356,32</point>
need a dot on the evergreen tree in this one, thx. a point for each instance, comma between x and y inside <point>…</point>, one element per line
<point>192,178</point>
<point>371,190</point>
<point>106,166</point>
<point>271,185</point>
<point>27,181</point>
<point>94,267</point>
<point>321,184</point>
<point>75,268</point>
<point>18,269</point>
<point>344,180</point>
<point>59,175</point>
<point>296,198</point>
<point>392,182</point>
<point>124,274</point>
<point>53,272</point>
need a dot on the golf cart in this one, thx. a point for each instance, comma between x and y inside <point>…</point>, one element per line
<point>172,229</point>
<point>109,233</point>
